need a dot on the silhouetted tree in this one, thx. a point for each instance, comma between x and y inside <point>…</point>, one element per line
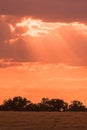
<point>16,104</point>
<point>58,104</point>
<point>32,107</point>
<point>55,104</point>
<point>22,104</point>
<point>7,105</point>
<point>44,105</point>
<point>44,100</point>
<point>76,106</point>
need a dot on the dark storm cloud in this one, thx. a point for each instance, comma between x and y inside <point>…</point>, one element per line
<point>49,10</point>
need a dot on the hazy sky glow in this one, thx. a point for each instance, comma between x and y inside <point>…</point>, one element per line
<point>43,49</point>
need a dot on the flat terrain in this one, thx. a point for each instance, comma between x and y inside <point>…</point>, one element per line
<point>43,121</point>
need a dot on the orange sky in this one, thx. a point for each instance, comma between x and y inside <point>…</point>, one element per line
<point>35,81</point>
<point>43,54</point>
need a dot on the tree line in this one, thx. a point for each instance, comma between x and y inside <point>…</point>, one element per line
<point>22,104</point>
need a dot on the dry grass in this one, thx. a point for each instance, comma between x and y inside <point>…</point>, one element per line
<point>43,121</point>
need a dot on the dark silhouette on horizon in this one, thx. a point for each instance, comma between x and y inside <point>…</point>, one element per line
<point>22,104</point>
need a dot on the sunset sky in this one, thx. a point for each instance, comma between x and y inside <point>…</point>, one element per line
<point>43,49</point>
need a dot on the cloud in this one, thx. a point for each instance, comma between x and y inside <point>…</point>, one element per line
<point>5,33</point>
<point>12,45</point>
<point>18,52</point>
<point>49,10</point>
<point>62,44</point>
<point>9,64</point>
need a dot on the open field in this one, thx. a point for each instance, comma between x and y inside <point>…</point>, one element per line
<point>43,121</point>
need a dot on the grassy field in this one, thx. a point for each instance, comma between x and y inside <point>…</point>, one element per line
<point>43,121</point>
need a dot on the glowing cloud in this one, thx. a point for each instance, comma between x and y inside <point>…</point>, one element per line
<point>34,40</point>
<point>35,27</point>
<point>38,27</point>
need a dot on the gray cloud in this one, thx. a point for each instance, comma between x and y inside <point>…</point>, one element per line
<point>49,10</point>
